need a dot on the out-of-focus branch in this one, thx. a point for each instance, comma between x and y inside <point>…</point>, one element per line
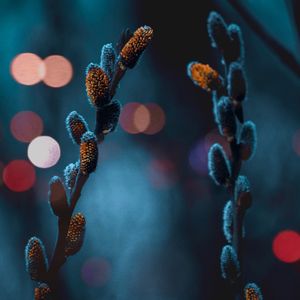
<point>284,55</point>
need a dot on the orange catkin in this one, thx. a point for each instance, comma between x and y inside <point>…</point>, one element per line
<point>42,292</point>
<point>97,85</point>
<point>204,76</point>
<point>132,50</point>
<point>75,234</point>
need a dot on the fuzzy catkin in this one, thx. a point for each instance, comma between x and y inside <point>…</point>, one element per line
<point>252,292</point>
<point>57,196</point>
<point>230,266</point>
<point>107,59</point>
<point>76,126</point>
<point>236,52</point>
<point>236,82</point>
<point>204,76</point>
<point>75,236</point>
<point>218,165</point>
<point>35,259</point>
<point>228,221</point>
<point>226,118</point>
<point>243,193</point>
<point>217,31</point>
<point>248,140</point>
<point>135,46</point>
<point>70,174</point>
<point>88,153</point>
<point>97,85</point>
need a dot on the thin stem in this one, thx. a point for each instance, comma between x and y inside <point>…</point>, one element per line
<point>118,75</point>
<point>59,257</point>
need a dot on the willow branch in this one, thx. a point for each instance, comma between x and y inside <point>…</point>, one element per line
<point>59,256</point>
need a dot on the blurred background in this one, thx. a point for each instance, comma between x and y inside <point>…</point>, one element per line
<point>154,217</point>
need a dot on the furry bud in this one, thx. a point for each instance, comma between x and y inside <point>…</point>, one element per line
<point>217,31</point>
<point>242,192</point>
<point>36,259</point>
<point>42,292</point>
<point>57,197</point>
<point>252,292</point>
<point>236,46</point>
<point>204,76</point>
<point>97,85</point>
<point>227,221</point>
<point>75,236</point>
<point>218,165</point>
<point>108,117</point>
<point>108,58</point>
<point>230,265</point>
<point>236,82</point>
<point>135,46</point>
<point>226,118</point>
<point>248,140</point>
<point>70,174</point>
<point>88,153</point>
<point>76,126</point>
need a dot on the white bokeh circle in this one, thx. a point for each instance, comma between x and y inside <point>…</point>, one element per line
<point>43,151</point>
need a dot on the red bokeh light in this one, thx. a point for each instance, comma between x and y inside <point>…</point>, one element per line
<point>19,175</point>
<point>157,119</point>
<point>286,246</point>
<point>26,125</point>
<point>27,68</point>
<point>58,71</point>
<point>162,173</point>
<point>127,117</point>
<point>141,118</point>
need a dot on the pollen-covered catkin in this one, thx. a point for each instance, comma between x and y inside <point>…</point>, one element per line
<point>97,85</point>
<point>76,126</point>
<point>88,153</point>
<point>36,259</point>
<point>204,76</point>
<point>132,50</point>
<point>252,292</point>
<point>75,236</point>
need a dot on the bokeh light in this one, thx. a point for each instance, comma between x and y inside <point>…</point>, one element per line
<point>286,246</point>
<point>58,71</point>
<point>162,173</point>
<point>157,119</point>
<point>27,68</point>
<point>19,175</point>
<point>198,158</point>
<point>44,151</point>
<point>26,125</point>
<point>296,142</point>
<point>96,272</point>
<point>141,118</point>
<point>127,117</point>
